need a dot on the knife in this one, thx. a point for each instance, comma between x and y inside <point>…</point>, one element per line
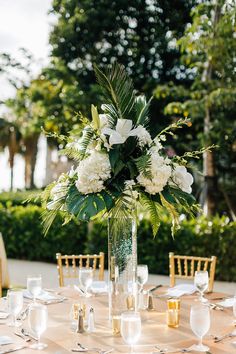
<point>155,287</point>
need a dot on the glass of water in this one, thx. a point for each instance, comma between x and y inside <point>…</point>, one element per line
<point>130,328</point>
<point>142,278</point>
<point>15,304</point>
<point>38,317</point>
<point>86,279</point>
<point>201,280</point>
<point>200,324</point>
<point>34,285</point>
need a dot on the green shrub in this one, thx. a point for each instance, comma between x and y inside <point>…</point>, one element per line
<point>22,231</point>
<point>19,198</point>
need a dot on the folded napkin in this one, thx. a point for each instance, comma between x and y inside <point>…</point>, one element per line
<point>43,296</point>
<point>227,302</point>
<point>3,315</point>
<point>5,340</point>
<point>181,289</point>
<point>99,287</point>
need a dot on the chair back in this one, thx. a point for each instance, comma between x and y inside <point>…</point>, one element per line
<point>184,267</point>
<point>68,265</point>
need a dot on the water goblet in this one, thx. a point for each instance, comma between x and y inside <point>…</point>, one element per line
<point>86,279</point>
<point>130,328</point>
<point>142,278</point>
<point>38,316</point>
<point>200,324</point>
<point>15,304</point>
<point>201,280</point>
<point>34,285</point>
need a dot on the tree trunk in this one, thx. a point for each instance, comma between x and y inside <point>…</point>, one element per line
<point>209,193</point>
<point>31,149</point>
<point>12,148</point>
<point>48,172</point>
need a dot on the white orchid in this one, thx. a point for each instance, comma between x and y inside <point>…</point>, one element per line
<point>122,132</point>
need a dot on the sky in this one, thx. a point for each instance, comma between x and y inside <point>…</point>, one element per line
<point>23,23</point>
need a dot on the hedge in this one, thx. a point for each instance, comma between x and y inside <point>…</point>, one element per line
<point>22,232</point>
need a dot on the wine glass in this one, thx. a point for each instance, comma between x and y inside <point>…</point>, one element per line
<point>234,309</point>
<point>15,304</point>
<point>34,285</point>
<point>38,316</point>
<point>200,324</point>
<point>86,279</point>
<point>142,278</point>
<point>201,282</point>
<point>130,328</point>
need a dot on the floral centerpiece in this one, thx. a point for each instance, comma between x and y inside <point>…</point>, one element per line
<point>121,165</point>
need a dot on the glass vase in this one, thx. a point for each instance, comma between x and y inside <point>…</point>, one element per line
<point>122,265</point>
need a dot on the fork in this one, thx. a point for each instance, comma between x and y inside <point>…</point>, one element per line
<point>84,349</point>
<point>165,350</point>
<point>21,335</point>
<point>227,335</point>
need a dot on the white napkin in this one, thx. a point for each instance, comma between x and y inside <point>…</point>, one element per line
<point>99,287</point>
<point>181,289</point>
<point>5,340</point>
<point>3,315</point>
<point>227,302</point>
<point>43,296</point>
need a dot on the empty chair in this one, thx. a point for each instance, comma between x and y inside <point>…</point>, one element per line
<point>68,265</point>
<point>184,267</point>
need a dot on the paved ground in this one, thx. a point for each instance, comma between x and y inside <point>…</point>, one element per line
<point>19,270</point>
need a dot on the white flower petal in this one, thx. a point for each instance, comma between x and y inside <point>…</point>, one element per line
<point>124,127</point>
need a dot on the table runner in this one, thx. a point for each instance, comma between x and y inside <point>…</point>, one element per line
<point>60,337</point>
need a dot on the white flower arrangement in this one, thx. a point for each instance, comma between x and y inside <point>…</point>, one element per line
<point>120,163</point>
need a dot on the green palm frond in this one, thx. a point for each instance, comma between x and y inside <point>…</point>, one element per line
<point>49,215</point>
<point>173,213</point>
<point>72,153</point>
<point>142,110</point>
<point>143,164</point>
<point>86,140</point>
<point>153,210</point>
<point>118,90</point>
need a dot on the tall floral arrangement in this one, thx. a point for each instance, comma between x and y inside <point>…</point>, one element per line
<point>118,163</point>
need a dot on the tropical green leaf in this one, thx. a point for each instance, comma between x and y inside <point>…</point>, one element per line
<point>143,164</point>
<point>142,110</point>
<point>86,139</point>
<point>108,200</point>
<point>95,117</point>
<point>181,195</point>
<point>152,209</point>
<point>118,90</point>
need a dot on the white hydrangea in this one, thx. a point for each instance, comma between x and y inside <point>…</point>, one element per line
<point>181,178</point>
<point>92,172</point>
<point>161,172</point>
<point>144,138</point>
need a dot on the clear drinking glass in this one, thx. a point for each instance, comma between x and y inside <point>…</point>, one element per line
<point>15,304</point>
<point>86,279</point>
<point>201,280</point>
<point>34,285</point>
<point>142,278</point>
<point>130,328</point>
<point>200,324</point>
<point>38,316</point>
<point>234,309</point>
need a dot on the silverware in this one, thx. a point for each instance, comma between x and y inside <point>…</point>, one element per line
<point>81,291</point>
<point>84,349</point>
<point>13,349</point>
<point>21,335</point>
<point>227,335</point>
<point>155,288</point>
<point>166,350</point>
<point>27,334</point>
<point>53,301</point>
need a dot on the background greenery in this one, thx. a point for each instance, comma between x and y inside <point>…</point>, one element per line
<point>23,235</point>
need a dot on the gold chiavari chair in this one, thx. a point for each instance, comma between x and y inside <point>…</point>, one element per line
<point>0,277</point>
<point>184,267</point>
<point>68,266</point>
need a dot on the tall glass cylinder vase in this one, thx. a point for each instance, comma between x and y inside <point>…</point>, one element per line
<point>122,263</point>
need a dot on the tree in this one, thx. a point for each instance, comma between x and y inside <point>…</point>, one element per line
<point>139,34</point>
<point>211,99</point>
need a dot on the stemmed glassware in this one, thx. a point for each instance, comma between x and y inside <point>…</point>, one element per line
<point>86,279</point>
<point>200,324</point>
<point>201,280</point>
<point>142,278</point>
<point>34,285</point>
<point>38,316</point>
<point>15,304</point>
<point>130,328</point>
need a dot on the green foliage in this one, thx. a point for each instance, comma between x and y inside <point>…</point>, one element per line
<point>23,235</point>
<point>8,199</point>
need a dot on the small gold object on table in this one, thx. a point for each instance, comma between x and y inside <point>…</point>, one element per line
<point>173,312</point>
<point>116,319</point>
